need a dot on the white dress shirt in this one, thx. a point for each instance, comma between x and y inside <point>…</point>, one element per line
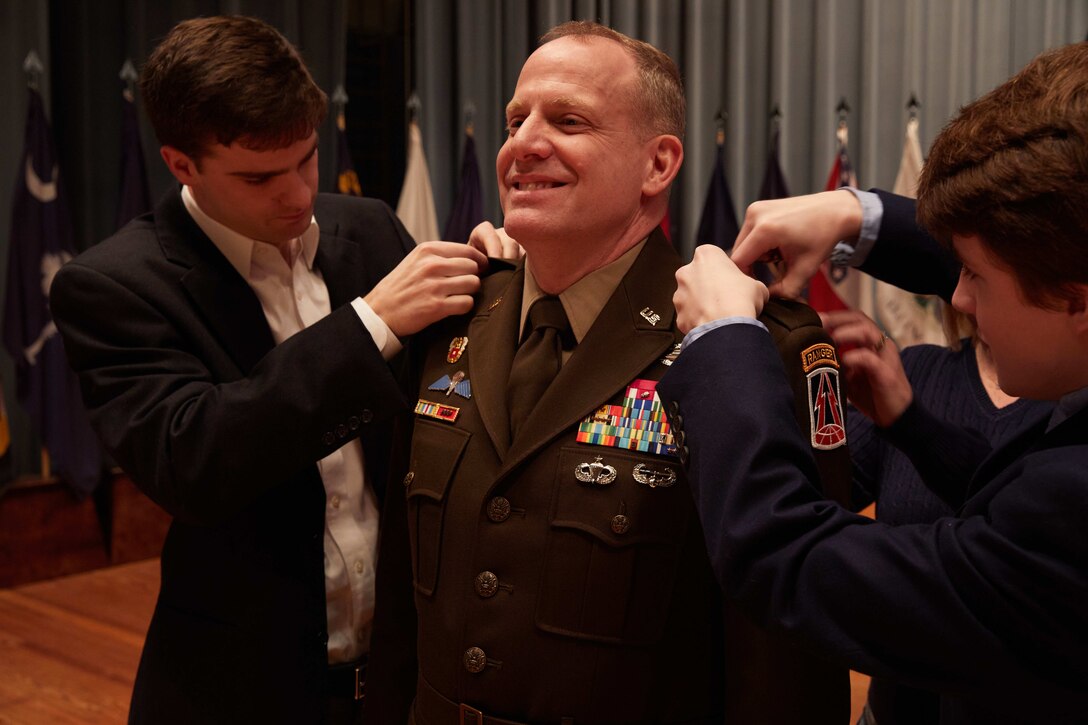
<point>293,296</point>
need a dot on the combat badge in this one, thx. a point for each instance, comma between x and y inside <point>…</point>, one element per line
<point>826,420</point>
<point>653,477</point>
<point>456,384</point>
<point>447,413</point>
<point>457,348</point>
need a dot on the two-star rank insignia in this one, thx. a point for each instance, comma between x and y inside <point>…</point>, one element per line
<point>458,383</point>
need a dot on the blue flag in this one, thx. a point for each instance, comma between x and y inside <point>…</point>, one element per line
<point>718,225</point>
<point>135,197</point>
<point>468,208</point>
<point>41,241</point>
<point>774,181</point>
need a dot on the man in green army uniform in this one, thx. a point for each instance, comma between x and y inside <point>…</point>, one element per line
<point>557,565</point>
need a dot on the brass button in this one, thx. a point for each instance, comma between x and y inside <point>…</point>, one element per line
<point>475,660</point>
<point>620,524</point>
<point>498,509</point>
<point>487,584</point>
<point>408,478</point>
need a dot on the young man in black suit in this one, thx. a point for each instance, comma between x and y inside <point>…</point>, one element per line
<point>986,607</point>
<point>233,349</point>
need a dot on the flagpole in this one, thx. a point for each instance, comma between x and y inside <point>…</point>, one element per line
<point>33,68</point>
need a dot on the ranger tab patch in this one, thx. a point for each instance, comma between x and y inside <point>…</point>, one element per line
<point>827,426</point>
<point>637,424</point>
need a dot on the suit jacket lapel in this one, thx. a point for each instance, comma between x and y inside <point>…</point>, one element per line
<point>342,268</point>
<point>620,345</point>
<point>229,307</point>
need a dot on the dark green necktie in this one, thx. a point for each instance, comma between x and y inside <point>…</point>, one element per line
<point>538,359</point>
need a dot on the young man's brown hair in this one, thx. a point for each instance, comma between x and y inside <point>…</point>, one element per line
<point>229,79</point>
<point>1012,168</point>
<point>661,92</point>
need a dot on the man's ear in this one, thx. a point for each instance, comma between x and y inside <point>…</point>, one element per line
<point>668,154</point>
<point>181,165</point>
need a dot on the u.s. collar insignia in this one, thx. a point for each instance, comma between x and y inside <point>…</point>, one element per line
<point>494,304</point>
<point>446,413</point>
<point>827,428</point>
<point>650,316</point>
<point>597,472</point>
<point>671,356</point>
<point>457,348</point>
<point>456,384</point>
<point>654,477</point>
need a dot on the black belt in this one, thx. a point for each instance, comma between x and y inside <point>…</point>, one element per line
<point>432,708</point>
<point>347,680</point>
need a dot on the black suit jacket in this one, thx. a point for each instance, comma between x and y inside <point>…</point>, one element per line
<point>222,428</point>
<point>986,607</point>
<point>603,606</point>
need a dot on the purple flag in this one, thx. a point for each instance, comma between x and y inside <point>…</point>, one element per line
<point>41,241</point>
<point>135,197</point>
<point>718,224</point>
<point>468,208</point>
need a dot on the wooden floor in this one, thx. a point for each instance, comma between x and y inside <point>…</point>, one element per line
<point>69,646</point>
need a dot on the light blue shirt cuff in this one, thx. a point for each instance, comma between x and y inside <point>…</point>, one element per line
<point>854,253</point>
<point>696,332</point>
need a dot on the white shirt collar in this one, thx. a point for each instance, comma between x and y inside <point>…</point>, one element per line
<point>238,248</point>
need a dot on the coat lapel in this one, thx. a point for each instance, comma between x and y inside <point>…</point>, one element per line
<point>492,336</point>
<point>342,268</point>
<point>229,307</point>
<point>621,344</point>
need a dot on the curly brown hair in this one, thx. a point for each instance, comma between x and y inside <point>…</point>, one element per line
<point>1012,168</point>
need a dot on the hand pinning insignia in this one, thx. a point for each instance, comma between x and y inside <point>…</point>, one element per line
<point>456,384</point>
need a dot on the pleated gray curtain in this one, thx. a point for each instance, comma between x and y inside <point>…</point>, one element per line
<point>744,57</point>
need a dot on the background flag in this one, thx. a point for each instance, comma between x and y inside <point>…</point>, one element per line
<point>774,184</point>
<point>718,224</point>
<point>5,443</point>
<point>347,181</point>
<point>41,241</point>
<point>135,196</point>
<point>837,288</point>
<point>468,207</point>
<point>909,319</point>
<point>415,208</point>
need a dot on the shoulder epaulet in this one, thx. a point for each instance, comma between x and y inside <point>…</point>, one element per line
<point>788,314</point>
